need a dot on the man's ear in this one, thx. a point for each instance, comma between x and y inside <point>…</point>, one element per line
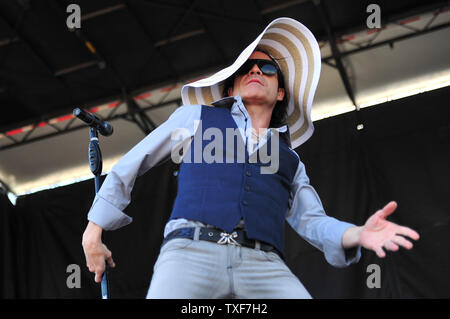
<point>280,95</point>
<point>230,91</point>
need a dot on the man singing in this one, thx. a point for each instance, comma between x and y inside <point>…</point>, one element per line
<point>224,238</point>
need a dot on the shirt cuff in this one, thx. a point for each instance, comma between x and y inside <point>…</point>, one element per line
<point>352,255</point>
<point>335,254</point>
<point>106,215</point>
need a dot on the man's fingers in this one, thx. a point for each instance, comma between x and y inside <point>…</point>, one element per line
<point>98,277</point>
<point>97,257</point>
<point>399,240</point>
<point>97,266</point>
<point>108,256</point>
<point>406,231</point>
<point>99,273</point>
<point>390,246</point>
<point>379,251</point>
<point>90,264</point>
<point>388,209</point>
<point>111,262</point>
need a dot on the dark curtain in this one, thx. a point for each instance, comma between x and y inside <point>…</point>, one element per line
<point>402,154</point>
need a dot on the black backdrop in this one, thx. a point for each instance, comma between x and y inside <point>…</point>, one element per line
<point>402,154</point>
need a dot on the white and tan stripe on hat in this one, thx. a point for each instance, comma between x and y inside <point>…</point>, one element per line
<point>311,72</point>
<point>295,54</point>
<point>300,105</point>
<point>207,95</point>
<point>191,95</point>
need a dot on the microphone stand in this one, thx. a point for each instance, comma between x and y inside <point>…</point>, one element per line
<point>95,163</point>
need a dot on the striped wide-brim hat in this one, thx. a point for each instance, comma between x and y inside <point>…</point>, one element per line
<point>297,52</point>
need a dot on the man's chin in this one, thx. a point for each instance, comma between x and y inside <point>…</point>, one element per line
<point>256,99</point>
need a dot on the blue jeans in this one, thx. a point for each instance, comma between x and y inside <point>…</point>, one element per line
<point>196,269</point>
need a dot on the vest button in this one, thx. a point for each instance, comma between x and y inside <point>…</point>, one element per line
<point>244,202</point>
<point>248,173</point>
<point>247,188</point>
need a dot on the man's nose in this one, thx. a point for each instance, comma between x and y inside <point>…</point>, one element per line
<point>255,70</point>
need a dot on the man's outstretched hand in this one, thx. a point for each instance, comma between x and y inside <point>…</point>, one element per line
<point>378,233</point>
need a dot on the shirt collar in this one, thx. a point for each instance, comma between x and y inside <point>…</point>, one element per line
<point>238,109</point>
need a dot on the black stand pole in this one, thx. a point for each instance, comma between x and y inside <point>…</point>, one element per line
<point>95,162</point>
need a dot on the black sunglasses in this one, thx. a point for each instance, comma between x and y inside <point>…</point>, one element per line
<point>267,67</point>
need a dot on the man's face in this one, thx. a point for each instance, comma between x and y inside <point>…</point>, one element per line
<point>257,88</point>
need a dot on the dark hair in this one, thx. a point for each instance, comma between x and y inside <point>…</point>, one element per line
<point>279,113</point>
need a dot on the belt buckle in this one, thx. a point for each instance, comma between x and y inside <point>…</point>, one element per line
<point>227,238</point>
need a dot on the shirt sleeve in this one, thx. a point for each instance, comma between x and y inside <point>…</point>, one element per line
<point>115,192</point>
<point>307,217</point>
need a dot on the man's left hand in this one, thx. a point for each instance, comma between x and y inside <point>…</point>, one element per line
<point>378,233</point>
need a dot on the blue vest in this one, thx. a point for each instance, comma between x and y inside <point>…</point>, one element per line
<point>221,194</point>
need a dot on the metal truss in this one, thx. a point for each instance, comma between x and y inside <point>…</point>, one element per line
<point>137,114</point>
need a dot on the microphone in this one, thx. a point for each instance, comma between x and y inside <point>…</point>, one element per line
<point>103,127</point>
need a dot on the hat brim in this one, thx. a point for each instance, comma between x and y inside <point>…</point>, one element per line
<point>297,52</point>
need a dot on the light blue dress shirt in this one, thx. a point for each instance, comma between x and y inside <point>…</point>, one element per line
<point>305,213</point>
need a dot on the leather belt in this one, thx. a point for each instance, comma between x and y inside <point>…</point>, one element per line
<point>237,237</point>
